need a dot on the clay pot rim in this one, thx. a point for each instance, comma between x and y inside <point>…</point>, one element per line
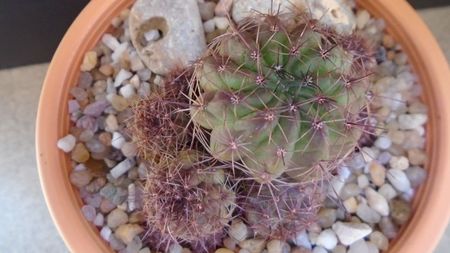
<point>403,24</point>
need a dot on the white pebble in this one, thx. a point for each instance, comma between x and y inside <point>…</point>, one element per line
<point>399,162</point>
<point>238,231</point>
<point>67,143</point>
<point>121,77</point>
<point>222,23</point>
<point>99,220</point>
<point>350,205</point>
<point>111,123</point>
<point>119,51</point>
<point>387,191</point>
<point>349,233</point>
<point>277,246</point>
<point>379,240</point>
<point>209,26</point>
<point>359,247</point>
<point>319,249</point>
<point>399,180</point>
<point>367,214</point>
<point>110,41</point>
<point>175,248</point>
<point>152,35</point>
<point>383,142</point>
<point>105,233</point>
<point>122,168</point>
<point>363,181</point>
<point>372,248</point>
<point>127,91</point>
<point>411,121</point>
<point>327,239</point>
<point>344,173</point>
<point>335,188</point>
<point>377,202</point>
<point>131,197</point>
<point>117,140</point>
<point>302,240</point>
<point>362,17</point>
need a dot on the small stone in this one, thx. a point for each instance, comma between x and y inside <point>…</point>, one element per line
<point>344,173</point>
<point>110,41</point>
<point>384,157</point>
<point>105,233</point>
<point>377,202</point>
<point>115,243</point>
<point>129,149</point>
<point>401,211</point>
<point>79,94</point>
<point>368,154</point>
<point>96,108</point>
<point>362,18</point>
<point>340,249</point>
<point>277,246</point>
<point>175,248</point>
<point>127,232</point>
<point>379,240</point>
<point>335,187</point>
<point>223,8</point>
<point>230,243</point>
<point>136,217</point>
<point>387,191</point>
<point>417,156</point>
<point>349,233</point>
<point>238,231</point>
<point>145,250</point>
<point>350,205</point>
<point>411,121</point>
<point>152,35</point>
<point>122,168</point>
<point>85,80</point>
<point>372,248</point>
<point>119,52</point>
<point>253,245</point>
<point>327,239</point>
<point>377,173</point>
<point>66,143</point>
<point>300,250</point>
<point>106,206</point>
<point>416,176</point>
<point>319,249</point>
<point>399,180</point>
<point>223,250</point>
<point>80,153</point>
<point>106,70</point>
<point>350,190</point>
<point>388,41</point>
<point>326,217</point>
<point>363,181</point>
<point>134,245</point>
<point>359,246</point>
<point>73,106</point>
<point>222,23</point>
<point>367,214</point>
<point>111,124</point>
<point>116,218</point>
<point>209,26</point>
<point>144,74</point>
<point>207,10</point>
<point>383,142</point>
<point>399,162</point>
<point>88,212</point>
<point>127,91</point>
<point>302,240</point>
<point>121,77</point>
<point>388,228</point>
<point>89,61</point>
<point>99,220</point>
<point>118,140</point>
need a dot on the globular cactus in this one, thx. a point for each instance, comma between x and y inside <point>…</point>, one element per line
<point>280,94</point>
<point>187,200</point>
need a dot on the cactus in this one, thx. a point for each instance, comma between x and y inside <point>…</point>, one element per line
<point>187,201</point>
<point>281,95</point>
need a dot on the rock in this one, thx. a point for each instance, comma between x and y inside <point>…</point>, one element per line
<point>79,94</point>
<point>111,123</point>
<point>119,103</point>
<point>362,18</point>
<point>85,80</point>
<point>110,41</point>
<point>335,187</point>
<point>367,214</point>
<point>73,106</point>
<point>87,122</point>
<point>351,205</point>
<point>326,217</point>
<point>122,168</point>
<point>384,157</point>
<point>230,243</point>
<point>350,190</point>
<point>209,26</point>
<point>327,239</point>
<point>377,202</point>
<point>277,246</point>
<point>88,212</point>
<point>399,162</point>
<point>129,149</point>
<point>383,142</point>
<point>388,41</point>
<point>223,8</point>
<point>127,91</point>
<point>401,211</point>
<point>134,246</point>
<point>121,77</point>
<point>387,191</point>
<point>300,250</point>
<point>106,70</point>
<point>118,53</point>
<point>118,140</point>
<point>319,249</point>
<point>96,108</point>
<point>116,244</point>
<point>253,245</point>
<point>127,232</point>
<point>66,143</point>
<point>80,153</point>
<point>89,61</point>
<point>302,240</point>
<point>221,23</point>
<point>411,121</point>
<point>223,250</point>
<point>417,156</point>
<point>359,247</point>
<point>182,40</point>
<point>340,249</point>
<point>145,250</point>
<point>349,233</point>
<point>175,248</point>
<point>377,173</point>
<point>206,10</point>
<point>363,181</point>
<point>105,233</point>
<point>372,248</point>
<point>238,231</point>
<point>344,173</point>
<point>333,13</point>
<point>116,218</point>
<point>416,176</point>
<point>379,240</point>
<point>399,180</point>
<point>99,220</point>
<point>388,228</point>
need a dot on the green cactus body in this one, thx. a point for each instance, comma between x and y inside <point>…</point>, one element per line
<point>281,98</point>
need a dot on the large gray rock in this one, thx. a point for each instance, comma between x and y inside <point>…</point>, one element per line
<point>167,34</point>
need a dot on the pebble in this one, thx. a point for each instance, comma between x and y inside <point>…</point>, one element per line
<point>127,91</point>
<point>363,181</point>
<point>401,211</point>
<point>66,143</point>
<point>119,103</point>
<point>417,156</point>
<point>115,243</point>
<point>80,178</point>
<point>209,25</point>
<point>319,249</point>
<point>79,94</point>
<point>340,249</point>
<point>253,245</point>
<point>327,239</point>
<point>119,52</point>
<point>351,205</point>
<point>377,173</point>
<point>106,206</point>
<point>110,41</point>
<point>116,218</point>
<point>238,231</point>
<point>118,140</point>
<point>362,17</point>
<point>223,8</point>
<point>122,168</point>
<point>335,187</point>
<point>327,217</point>
<point>85,80</point>
<point>383,142</point>
<point>399,180</point>
<point>350,190</point>
<point>111,124</point>
<point>106,233</point>
<point>88,212</point>
<point>302,240</point>
<point>411,121</point>
<point>80,153</point>
<point>99,220</point>
<point>121,77</point>
<point>223,250</point>
<point>145,250</point>
<point>129,149</point>
<point>416,176</point>
<point>152,35</point>
<point>175,248</point>
<point>89,61</point>
<point>359,246</point>
<point>207,10</point>
<point>367,214</point>
<point>127,232</point>
<point>379,240</point>
<point>388,41</point>
<point>388,228</point>
<point>399,162</point>
<point>73,106</point>
<point>96,108</point>
<point>221,23</point>
<point>372,248</point>
<point>106,70</point>
<point>387,191</point>
<point>277,246</point>
<point>349,233</point>
<point>377,202</point>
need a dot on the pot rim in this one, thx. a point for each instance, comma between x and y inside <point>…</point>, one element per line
<point>403,24</point>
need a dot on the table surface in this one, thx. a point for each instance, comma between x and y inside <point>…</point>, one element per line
<point>25,224</point>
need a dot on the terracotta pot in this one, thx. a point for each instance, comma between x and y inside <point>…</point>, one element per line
<point>431,205</point>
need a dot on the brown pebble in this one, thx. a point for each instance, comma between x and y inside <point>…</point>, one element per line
<point>223,8</point>
<point>400,211</point>
<point>89,61</point>
<point>106,70</point>
<point>105,138</point>
<point>96,167</point>
<point>80,153</point>
<point>80,178</point>
<point>223,250</point>
<point>127,232</point>
<point>106,206</point>
<point>388,41</point>
<point>136,217</point>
